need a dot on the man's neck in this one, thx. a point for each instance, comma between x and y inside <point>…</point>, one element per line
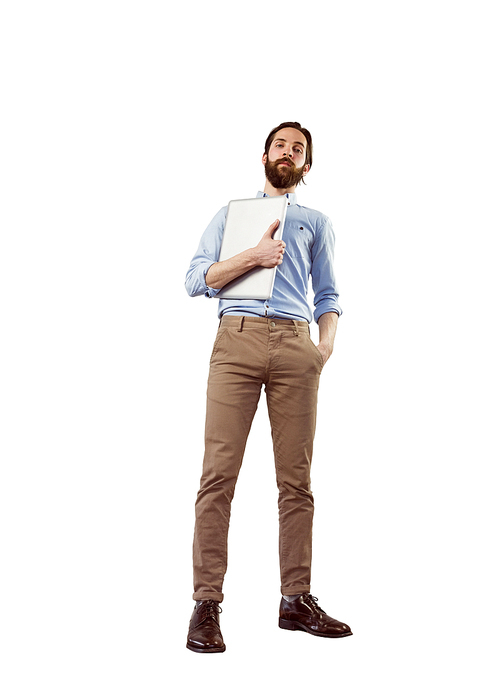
<point>274,192</point>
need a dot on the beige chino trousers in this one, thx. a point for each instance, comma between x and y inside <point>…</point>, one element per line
<point>250,352</point>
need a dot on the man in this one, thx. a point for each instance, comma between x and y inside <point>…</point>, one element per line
<point>266,343</point>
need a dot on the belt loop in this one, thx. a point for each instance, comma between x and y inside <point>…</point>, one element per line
<point>296,330</point>
<point>241,324</point>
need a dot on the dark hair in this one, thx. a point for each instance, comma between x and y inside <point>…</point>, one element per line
<point>297,126</point>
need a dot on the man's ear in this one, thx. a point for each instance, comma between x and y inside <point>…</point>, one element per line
<point>306,170</point>
<point>264,159</point>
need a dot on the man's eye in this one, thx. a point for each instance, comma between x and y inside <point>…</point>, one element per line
<point>298,150</point>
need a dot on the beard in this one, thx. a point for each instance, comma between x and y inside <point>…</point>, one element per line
<point>282,177</point>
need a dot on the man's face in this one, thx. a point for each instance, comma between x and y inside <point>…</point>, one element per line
<point>285,163</point>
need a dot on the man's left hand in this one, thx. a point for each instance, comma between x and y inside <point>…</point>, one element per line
<point>327,329</point>
<point>326,350</point>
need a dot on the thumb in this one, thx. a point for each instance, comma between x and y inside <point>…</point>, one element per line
<point>272,228</point>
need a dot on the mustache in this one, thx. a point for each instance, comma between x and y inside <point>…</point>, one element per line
<point>276,163</point>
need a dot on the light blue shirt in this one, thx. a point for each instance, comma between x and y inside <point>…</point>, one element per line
<point>309,240</point>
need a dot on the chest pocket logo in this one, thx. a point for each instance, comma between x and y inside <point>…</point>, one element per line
<point>298,242</point>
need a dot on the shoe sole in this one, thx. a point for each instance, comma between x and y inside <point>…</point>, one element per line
<point>295,625</point>
<point>214,650</point>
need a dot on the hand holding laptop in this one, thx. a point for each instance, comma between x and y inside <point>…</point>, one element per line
<point>269,252</point>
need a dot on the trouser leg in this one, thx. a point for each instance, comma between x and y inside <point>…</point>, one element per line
<point>233,393</point>
<point>292,391</point>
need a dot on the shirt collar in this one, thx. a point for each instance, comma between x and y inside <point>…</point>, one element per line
<point>292,197</point>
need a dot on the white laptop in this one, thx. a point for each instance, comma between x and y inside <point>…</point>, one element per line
<point>246,222</point>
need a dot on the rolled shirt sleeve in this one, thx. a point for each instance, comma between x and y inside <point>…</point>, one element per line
<point>323,278</point>
<point>206,255</point>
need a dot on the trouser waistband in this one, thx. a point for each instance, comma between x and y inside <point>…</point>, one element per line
<point>242,321</point>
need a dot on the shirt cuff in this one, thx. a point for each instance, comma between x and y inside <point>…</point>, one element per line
<point>210,293</point>
<point>327,308</point>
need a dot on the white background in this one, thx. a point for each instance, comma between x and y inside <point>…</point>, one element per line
<point>125,127</point>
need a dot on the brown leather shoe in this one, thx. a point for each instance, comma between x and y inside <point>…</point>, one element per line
<point>304,614</point>
<point>204,635</point>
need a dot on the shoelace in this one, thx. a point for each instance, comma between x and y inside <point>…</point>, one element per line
<point>313,602</point>
<point>211,608</point>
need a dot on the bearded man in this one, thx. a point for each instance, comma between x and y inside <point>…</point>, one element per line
<point>266,342</point>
